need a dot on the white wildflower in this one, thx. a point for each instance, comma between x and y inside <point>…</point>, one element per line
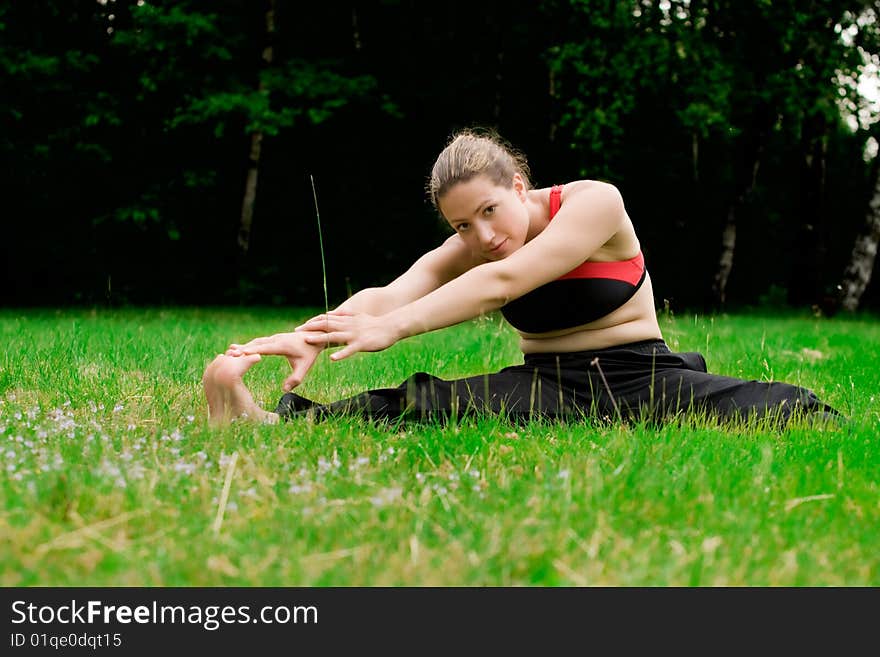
<point>386,496</point>
<point>325,466</point>
<point>136,471</point>
<point>184,467</point>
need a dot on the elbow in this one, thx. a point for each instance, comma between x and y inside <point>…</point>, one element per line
<point>502,288</point>
<point>613,199</point>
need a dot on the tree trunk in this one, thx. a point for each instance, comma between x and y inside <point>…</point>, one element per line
<point>725,262</point>
<point>747,161</point>
<point>861,264</point>
<point>355,30</point>
<point>728,237</point>
<point>250,186</point>
<point>809,248</point>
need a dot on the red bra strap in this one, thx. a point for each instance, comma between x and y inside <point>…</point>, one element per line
<point>555,199</point>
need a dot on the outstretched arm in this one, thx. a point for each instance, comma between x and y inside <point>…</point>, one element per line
<point>589,218</point>
<point>429,272</point>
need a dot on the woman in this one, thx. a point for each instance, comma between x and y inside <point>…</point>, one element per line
<point>564,267</point>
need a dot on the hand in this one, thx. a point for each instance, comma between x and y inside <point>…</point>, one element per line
<point>357,331</point>
<point>300,353</point>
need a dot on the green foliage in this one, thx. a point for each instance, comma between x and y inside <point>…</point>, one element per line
<point>173,29</point>
<point>139,115</point>
<point>284,95</point>
<point>179,40</point>
<point>718,66</point>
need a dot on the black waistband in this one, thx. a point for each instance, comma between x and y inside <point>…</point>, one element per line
<point>640,347</point>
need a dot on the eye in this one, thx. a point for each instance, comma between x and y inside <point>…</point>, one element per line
<point>462,227</point>
<point>489,210</point>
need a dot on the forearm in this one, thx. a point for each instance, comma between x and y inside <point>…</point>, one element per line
<point>371,300</point>
<point>476,292</point>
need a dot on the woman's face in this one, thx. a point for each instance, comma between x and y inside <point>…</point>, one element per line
<point>492,220</point>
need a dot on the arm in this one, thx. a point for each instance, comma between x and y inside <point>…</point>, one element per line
<point>429,272</point>
<point>588,219</point>
<point>590,216</point>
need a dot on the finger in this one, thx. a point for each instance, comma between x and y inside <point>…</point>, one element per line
<point>335,337</point>
<point>334,323</point>
<point>271,342</point>
<point>314,321</point>
<point>325,322</point>
<point>251,343</point>
<point>344,353</point>
<point>267,349</point>
<point>300,368</point>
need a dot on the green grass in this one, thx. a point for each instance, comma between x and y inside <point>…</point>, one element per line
<point>110,476</point>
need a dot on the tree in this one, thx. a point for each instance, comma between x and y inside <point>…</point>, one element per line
<point>250,188</point>
<point>741,78</point>
<point>864,30</point>
<point>857,274</point>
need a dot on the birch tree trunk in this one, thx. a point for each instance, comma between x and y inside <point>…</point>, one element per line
<point>861,264</point>
<point>725,261</point>
<point>728,238</point>
<point>250,186</point>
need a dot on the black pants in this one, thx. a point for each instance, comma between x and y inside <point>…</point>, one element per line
<point>642,380</point>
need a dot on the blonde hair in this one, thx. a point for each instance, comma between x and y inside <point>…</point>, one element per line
<point>471,153</point>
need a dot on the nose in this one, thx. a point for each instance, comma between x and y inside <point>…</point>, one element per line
<point>485,234</point>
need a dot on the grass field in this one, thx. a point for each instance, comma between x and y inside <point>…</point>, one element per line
<point>110,475</point>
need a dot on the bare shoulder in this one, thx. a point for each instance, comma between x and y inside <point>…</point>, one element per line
<point>596,190</point>
<point>598,207</point>
<point>591,204</point>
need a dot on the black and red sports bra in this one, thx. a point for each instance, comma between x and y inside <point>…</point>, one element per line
<point>589,291</point>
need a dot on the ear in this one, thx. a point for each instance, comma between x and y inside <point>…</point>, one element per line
<point>519,186</point>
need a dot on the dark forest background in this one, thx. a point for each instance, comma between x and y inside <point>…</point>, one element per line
<point>132,130</point>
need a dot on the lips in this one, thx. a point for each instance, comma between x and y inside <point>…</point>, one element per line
<point>495,250</point>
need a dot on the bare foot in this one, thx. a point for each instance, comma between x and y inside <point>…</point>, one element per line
<point>228,397</point>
